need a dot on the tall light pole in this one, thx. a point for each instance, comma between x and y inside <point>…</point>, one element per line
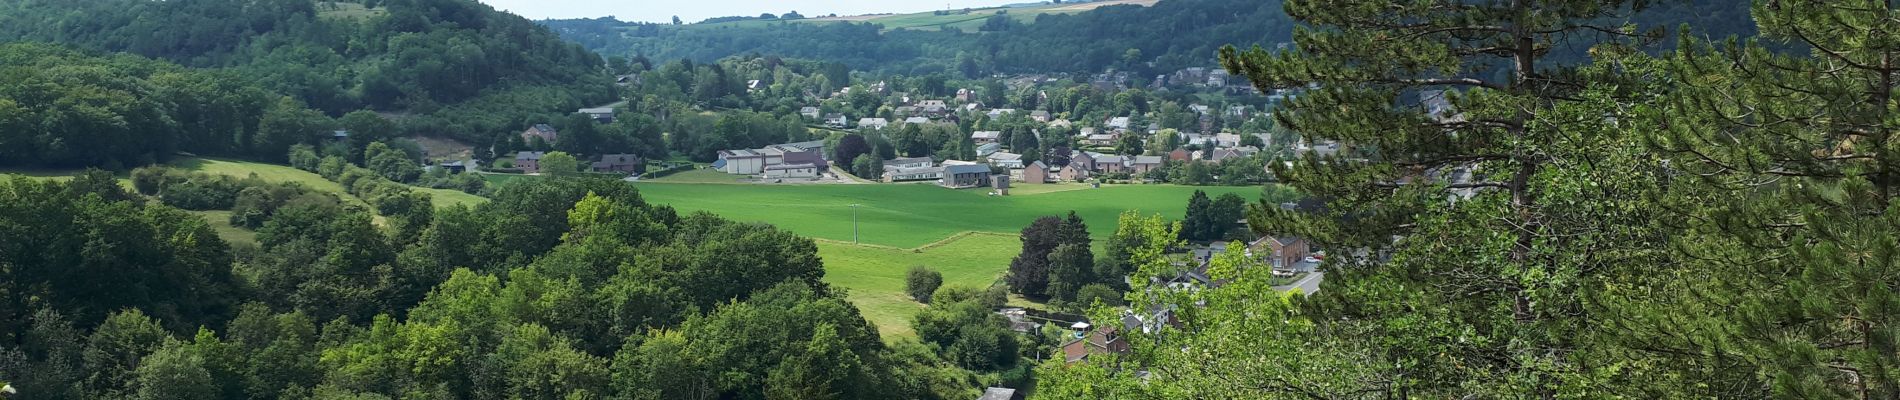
<point>854,223</point>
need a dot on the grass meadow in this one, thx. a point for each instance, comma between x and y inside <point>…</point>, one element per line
<point>911,215</point>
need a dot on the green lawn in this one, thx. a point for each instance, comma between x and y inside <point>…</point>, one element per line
<point>912,215</point>
<point>874,275</point>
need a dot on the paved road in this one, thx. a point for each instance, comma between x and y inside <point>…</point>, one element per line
<point>1308,285</point>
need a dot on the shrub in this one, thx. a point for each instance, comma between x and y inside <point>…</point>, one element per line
<point>304,157</point>
<point>332,167</point>
<point>469,183</point>
<point>1090,293</point>
<point>922,282</point>
<point>151,181</point>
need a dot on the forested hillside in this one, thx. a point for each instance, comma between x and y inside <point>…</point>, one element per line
<point>64,108</point>
<point>1166,37</point>
<point>459,65</point>
<point>1173,33</point>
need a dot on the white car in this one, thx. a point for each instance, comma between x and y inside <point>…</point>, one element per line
<point>1312,260</point>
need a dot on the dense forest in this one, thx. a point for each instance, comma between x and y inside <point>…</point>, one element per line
<point>557,289</point>
<point>64,108</point>
<point>454,67</point>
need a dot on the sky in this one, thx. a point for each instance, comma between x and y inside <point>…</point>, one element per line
<point>696,10</point>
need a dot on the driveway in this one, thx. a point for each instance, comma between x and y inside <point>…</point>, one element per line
<point>1307,285</point>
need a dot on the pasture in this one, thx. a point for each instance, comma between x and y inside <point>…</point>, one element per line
<point>967,235</point>
<point>911,215</point>
<point>874,275</point>
<point>282,173</point>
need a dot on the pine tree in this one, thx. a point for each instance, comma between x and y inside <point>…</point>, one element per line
<point>1194,224</point>
<point>1794,242</point>
<point>1029,271</point>
<point>1474,286</point>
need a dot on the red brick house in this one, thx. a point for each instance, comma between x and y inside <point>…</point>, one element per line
<point>1106,340</point>
<point>1074,173</point>
<point>544,131</point>
<point>1280,252</point>
<point>1036,172</point>
<point>1180,155</point>
<point>529,161</point>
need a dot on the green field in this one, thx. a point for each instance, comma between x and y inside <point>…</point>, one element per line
<point>281,173</point>
<point>874,275</point>
<point>916,214</point>
<point>895,220</point>
<point>706,175</point>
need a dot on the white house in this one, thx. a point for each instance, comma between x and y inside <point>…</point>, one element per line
<point>873,123</point>
<point>740,162</point>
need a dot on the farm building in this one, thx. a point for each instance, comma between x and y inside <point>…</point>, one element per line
<point>909,162</point>
<point>1006,160</point>
<point>965,176</point>
<point>912,174</point>
<point>792,171</point>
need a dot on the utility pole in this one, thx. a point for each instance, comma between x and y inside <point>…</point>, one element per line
<point>854,223</point>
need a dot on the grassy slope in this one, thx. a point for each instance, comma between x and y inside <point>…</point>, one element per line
<point>911,215</point>
<point>874,275</point>
<point>281,173</point>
